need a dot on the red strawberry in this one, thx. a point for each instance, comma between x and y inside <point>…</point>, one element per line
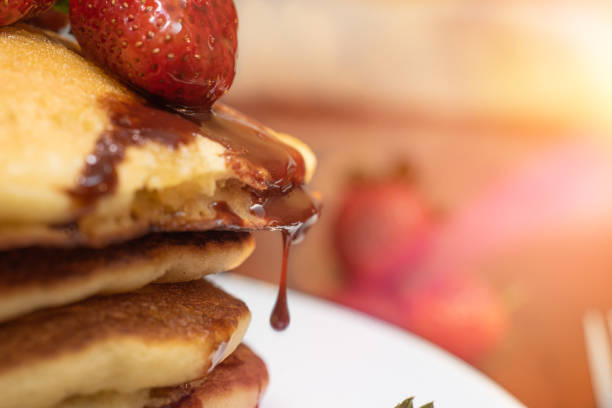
<point>381,229</point>
<point>183,51</point>
<point>51,20</point>
<point>12,11</point>
<point>460,314</point>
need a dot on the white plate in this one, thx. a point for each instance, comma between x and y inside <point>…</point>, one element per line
<point>331,356</point>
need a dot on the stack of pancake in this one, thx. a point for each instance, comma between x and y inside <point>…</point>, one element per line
<point>111,212</point>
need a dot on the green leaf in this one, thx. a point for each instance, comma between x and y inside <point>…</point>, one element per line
<point>62,6</point>
<point>407,403</point>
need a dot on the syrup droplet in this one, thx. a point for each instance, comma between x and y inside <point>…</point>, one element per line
<point>279,319</point>
<point>292,213</point>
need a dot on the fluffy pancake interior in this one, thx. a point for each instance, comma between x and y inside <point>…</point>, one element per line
<point>158,336</point>
<point>238,382</point>
<point>35,278</point>
<point>50,121</point>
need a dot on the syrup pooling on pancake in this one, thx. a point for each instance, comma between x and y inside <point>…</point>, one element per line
<point>131,124</point>
<point>274,172</point>
<point>252,153</point>
<point>252,149</point>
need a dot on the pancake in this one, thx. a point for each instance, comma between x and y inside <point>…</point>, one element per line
<point>158,336</point>
<point>35,278</point>
<point>238,382</point>
<point>85,161</point>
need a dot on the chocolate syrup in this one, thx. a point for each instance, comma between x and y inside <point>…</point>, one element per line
<point>292,213</point>
<point>274,171</point>
<point>130,124</point>
<point>300,218</point>
<point>279,319</point>
<point>252,152</point>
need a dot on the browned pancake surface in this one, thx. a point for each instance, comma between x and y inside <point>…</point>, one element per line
<point>182,311</point>
<point>237,382</point>
<point>241,379</point>
<point>37,278</point>
<point>46,266</point>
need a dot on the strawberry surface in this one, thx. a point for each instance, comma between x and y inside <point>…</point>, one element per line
<point>460,313</point>
<point>381,230</point>
<point>12,11</point>
<point>182,51</point>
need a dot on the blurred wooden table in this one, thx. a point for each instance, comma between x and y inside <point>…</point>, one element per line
<point>542,361</point>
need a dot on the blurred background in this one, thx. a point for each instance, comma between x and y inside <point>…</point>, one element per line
<point>465,161</point>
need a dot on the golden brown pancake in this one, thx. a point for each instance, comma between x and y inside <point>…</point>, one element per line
<point>35,278</point>
<point>238,382</point>
<point>85,161</point>
<point>158,336</point>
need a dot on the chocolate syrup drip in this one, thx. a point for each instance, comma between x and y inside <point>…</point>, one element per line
<point>131,124</point>
<point>252,151</point>
<point>279,319</point>
<point>274,170</point>
<point>293,214</point>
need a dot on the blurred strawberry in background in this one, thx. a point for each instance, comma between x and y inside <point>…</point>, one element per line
<point>382,229</point>
<point>503,107</point>
<point>460,313</point>
<point>383,235</point>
